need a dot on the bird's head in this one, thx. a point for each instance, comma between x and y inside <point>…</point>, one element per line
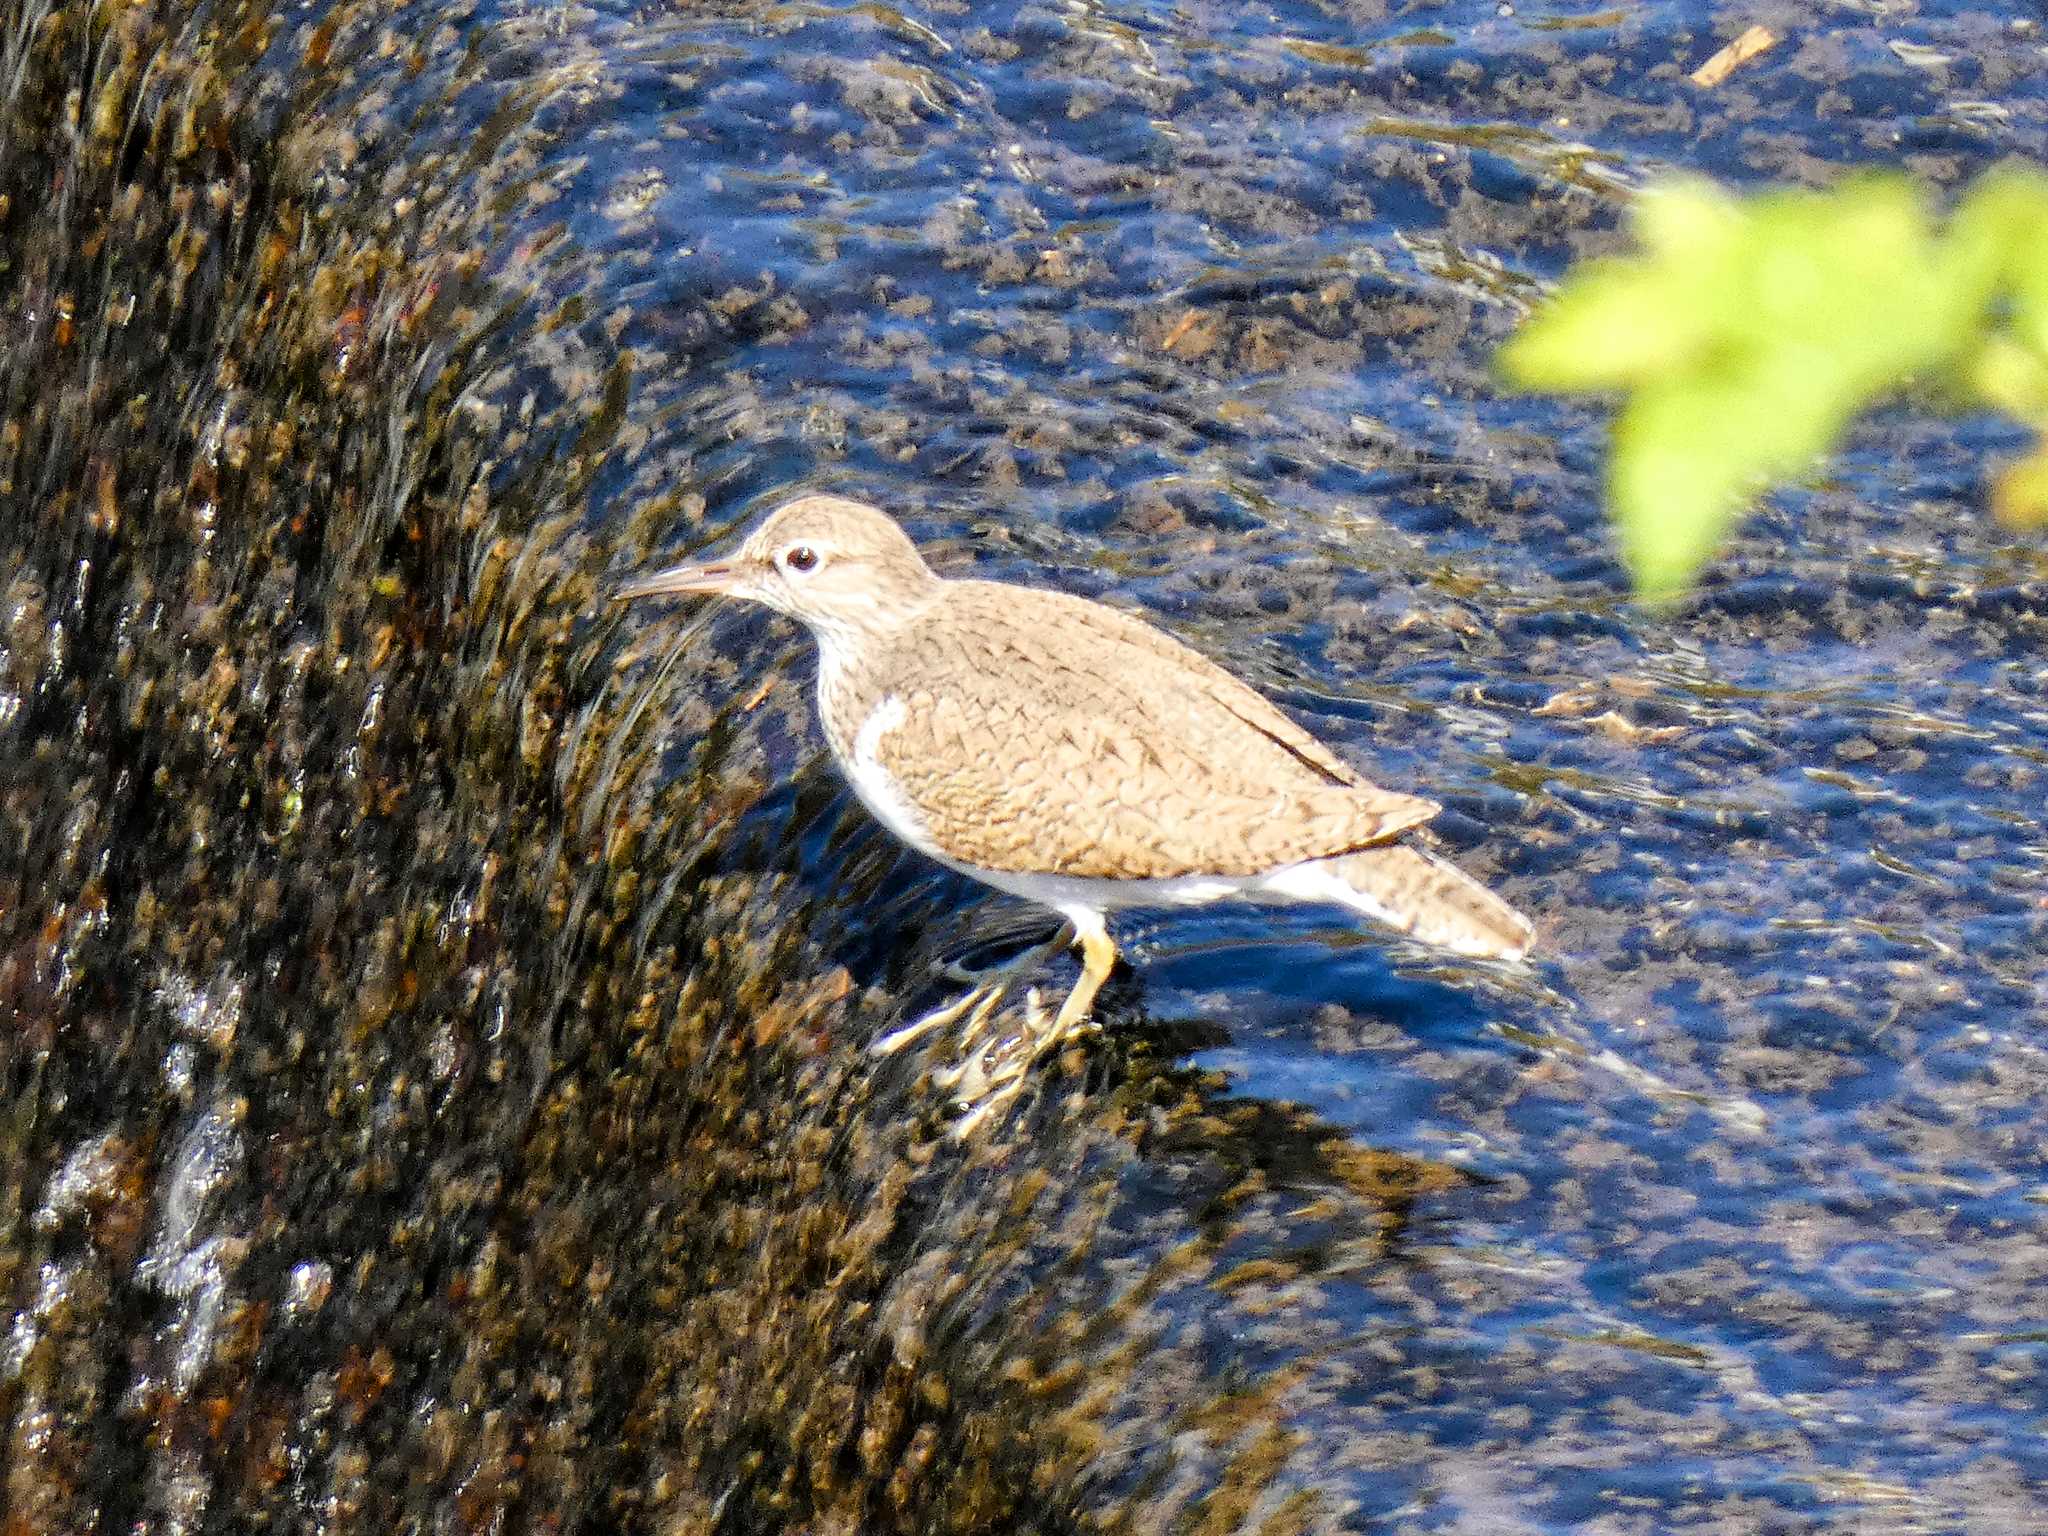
<point>839,565</point>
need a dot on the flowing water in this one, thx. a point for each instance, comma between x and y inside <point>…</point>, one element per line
<point>435,999</point>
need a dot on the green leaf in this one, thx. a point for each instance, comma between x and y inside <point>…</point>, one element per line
<point>1619,320</point>
<point>2019,496</point>
<point>2013,378</point>
<point>1690,452</point>
<point>1750,333</point>
<point>2002,225</point>
<point>1613,324</point>
<point>1675,484</point>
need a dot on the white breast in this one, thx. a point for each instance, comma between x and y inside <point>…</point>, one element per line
<point>878,790</point>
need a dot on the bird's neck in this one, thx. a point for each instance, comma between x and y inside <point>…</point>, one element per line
<point>875,618</point>
<point>851,646</point>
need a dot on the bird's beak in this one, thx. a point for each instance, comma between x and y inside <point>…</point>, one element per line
<point>709,576</point>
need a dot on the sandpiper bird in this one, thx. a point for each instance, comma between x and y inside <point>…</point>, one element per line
<point>1068,753</point>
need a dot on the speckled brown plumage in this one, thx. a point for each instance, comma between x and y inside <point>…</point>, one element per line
<point>1044,732</point>
<point>1070,753</point>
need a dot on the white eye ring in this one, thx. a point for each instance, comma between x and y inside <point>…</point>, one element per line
<point>800,558</point>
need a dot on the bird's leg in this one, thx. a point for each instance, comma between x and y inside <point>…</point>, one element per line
<point>995,1074</point>
<point>1098,957</point>
<point>987,986</point>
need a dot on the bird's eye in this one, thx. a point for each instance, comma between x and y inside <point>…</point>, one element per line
<point>801,557</point>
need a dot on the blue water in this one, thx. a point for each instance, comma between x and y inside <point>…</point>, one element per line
<point>1744,1229</point>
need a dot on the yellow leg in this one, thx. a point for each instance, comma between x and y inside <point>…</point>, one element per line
<point>1098,955</point>
<point>995,1074</point>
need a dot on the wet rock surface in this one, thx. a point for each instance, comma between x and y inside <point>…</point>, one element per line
<point>435,1001</point>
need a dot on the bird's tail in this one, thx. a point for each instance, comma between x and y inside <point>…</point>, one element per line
<point>1422,895</point>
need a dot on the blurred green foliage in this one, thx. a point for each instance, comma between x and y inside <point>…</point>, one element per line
<point>1747,333</point>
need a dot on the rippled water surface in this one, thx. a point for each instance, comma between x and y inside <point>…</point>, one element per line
<point>436,999</point>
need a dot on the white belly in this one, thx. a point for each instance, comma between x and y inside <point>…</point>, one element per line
<point>1067,891</point>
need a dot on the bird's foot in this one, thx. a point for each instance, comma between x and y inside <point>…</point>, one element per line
<point>988,1080</point>
<point>997,1051</point>
<point>994,1074</point>
<point>978,1002</point>
<point>987,986</point>
<point>999,1061</point>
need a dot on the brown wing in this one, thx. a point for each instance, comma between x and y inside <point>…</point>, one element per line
<point>1204,682</point>
<point>1046,732</point>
